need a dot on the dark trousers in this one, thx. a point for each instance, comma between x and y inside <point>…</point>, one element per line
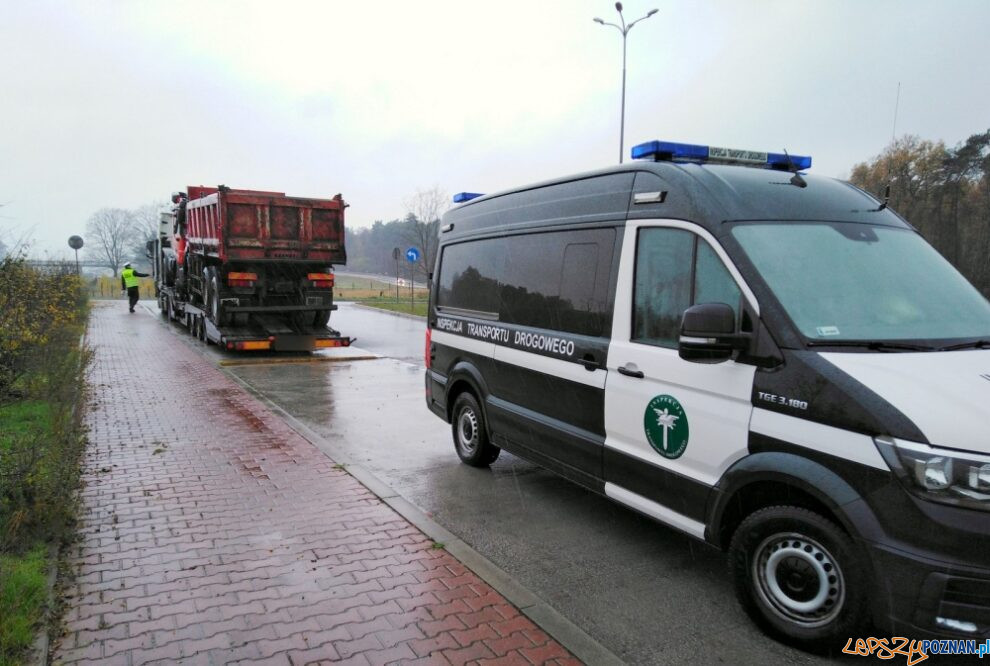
<point>133,293</point>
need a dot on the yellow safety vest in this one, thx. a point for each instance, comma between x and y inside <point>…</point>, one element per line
<point>130,280</point>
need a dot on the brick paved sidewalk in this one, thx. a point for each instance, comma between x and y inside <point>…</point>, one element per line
<point>211,533</point>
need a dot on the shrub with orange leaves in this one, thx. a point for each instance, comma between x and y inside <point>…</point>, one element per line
<point>38,309</point>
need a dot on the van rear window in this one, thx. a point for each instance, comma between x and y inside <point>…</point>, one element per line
<point>555,280</point>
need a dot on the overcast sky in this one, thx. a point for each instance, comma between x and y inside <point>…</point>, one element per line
<point>117,104</point>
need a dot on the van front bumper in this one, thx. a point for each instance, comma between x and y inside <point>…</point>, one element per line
<point>919,597</point>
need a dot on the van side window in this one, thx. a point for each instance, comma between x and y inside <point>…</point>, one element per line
<point>663,284</point>
<point>469,277</point>
<point>674,270</point>
<point>556,280</point>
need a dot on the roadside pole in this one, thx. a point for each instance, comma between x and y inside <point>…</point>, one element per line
<point>412,254</point>
<point>395,255</point>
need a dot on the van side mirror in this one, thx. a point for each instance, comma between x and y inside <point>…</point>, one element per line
<point>708,334</point>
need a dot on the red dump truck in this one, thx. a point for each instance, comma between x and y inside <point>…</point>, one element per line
<point>250,270</point>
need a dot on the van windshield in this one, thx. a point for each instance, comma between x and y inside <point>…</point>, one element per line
<point>856,282</point>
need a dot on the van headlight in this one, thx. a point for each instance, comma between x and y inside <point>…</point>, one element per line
<point>952,477</point>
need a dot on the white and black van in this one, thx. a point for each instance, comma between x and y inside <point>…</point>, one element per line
<point>772,362</point>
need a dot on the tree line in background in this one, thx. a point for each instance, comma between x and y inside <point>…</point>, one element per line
<point>117,235</point>
<point>370,249</point>
<point>944,192</point>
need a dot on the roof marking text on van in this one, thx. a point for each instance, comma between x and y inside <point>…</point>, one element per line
<point>714,152</point>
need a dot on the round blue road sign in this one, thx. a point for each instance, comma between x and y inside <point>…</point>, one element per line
<point>412,254</point>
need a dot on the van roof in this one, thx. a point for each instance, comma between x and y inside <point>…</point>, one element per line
<point>707,194</point>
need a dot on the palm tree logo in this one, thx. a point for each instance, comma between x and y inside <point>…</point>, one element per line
<point>665,420</point>
<point>666,426</point>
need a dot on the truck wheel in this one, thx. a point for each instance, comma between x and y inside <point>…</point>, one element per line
<point>301,320</point>
<point>471,433</point>
<point>206,290</point>
<point>169,271</point>
<point>321,319</point>
<point>220,316</point>
<point>799,576</point>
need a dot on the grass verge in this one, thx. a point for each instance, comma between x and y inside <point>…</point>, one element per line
<point>417,308</point>
<point>23,591</point>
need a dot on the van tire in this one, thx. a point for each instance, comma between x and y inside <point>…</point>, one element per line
<point>471,433</point>
<point>823,599</point>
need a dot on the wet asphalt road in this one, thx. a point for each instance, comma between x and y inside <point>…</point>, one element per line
<point>647,593</point>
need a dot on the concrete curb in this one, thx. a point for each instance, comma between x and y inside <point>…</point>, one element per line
<point>42,641</point>
<point>233,362</point>
<point>565,632</point>
<point>391,312</point>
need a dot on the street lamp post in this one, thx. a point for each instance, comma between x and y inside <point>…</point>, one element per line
<point>624,29</point>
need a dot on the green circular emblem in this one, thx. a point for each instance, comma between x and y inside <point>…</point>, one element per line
<point>666,426</point>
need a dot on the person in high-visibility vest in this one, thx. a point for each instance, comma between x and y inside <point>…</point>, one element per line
<point>129,283</point>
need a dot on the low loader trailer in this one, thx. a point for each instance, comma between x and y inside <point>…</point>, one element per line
<point>250,270</point>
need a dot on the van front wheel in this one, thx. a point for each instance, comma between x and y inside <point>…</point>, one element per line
<point>799,576</point>
<point>471,434</point>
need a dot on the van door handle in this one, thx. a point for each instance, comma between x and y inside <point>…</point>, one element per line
<point>630,370</point>
<point>589,363</point>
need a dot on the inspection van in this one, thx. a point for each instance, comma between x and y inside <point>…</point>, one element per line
<point>772,362</point>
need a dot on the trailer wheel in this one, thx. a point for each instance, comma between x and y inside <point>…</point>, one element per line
<point>321,319</point>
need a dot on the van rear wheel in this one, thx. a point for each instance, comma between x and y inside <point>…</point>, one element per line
<point>471,433</point>
<point>799,576</point>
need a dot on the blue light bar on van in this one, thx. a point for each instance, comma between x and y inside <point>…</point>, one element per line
<point>461,197</point>
<point>668,151</point>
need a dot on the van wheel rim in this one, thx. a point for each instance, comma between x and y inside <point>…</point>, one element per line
<point>798,579</point>
<point>467,431</point>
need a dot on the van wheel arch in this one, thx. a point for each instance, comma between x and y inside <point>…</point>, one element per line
<point>458,387</point>
<point>464,376</point>
<point>773,478</point>
<point>758,495</point>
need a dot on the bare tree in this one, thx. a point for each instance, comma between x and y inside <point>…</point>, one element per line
<point>111,232</point>
<point>425,208</point>
<point>146,221</point>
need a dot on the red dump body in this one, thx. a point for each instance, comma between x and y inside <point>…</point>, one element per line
<point>250,225</point>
